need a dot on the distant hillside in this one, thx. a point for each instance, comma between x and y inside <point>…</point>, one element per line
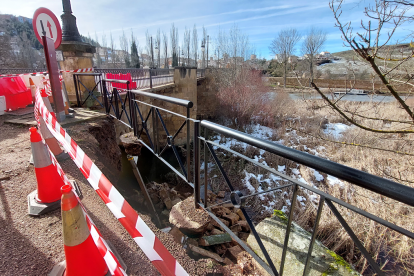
<point>19,28</point>
<point>395,50</point>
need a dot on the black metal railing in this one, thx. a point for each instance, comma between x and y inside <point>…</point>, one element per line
<point>145,118</point>
<point>142,78</point>
<point>201,73</point>
<point>385,187</point>
<point>21,70</point>
<point>86,91</point>
<point>117,101</point>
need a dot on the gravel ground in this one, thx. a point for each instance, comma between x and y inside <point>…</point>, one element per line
<point>33,245</point>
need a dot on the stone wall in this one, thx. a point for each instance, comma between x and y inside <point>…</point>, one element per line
<point>206,97</point>
<point>76,55</point>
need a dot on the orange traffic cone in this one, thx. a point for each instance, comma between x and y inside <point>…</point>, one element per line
<point>32,89</point>
<point>47,196</point>
<point>82,255</point>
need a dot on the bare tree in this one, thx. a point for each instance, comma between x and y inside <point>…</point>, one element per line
<point>105,49</point>
<point>165,44</point>
<point>387,62</point>
<point>98,52</point>
<point>158,45</point>
<point>195,45</point>
<point>311,46</point>
<point>114,56</point>
<point>124,43</point>
<point>284,46</point>
<point>150,49</point>
<point>186,44</point>
<point>174,45</point>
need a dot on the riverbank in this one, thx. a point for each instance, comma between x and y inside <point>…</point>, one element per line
<point>33,245</point>
<point>313,127</point>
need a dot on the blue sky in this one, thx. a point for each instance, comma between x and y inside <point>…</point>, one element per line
<point>260,19</point>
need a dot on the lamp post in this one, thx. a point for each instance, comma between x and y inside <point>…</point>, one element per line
<point>182,57</point>
<point>203,48</point>
<point>156,53</point>
<point>69,29</point>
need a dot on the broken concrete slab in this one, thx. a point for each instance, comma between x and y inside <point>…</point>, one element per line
<point>206,253</point>
<point>272,232</point>
<point>232,253</point>
<point>190,221</point>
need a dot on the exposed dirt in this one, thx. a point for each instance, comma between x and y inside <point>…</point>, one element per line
<point>33,245</point>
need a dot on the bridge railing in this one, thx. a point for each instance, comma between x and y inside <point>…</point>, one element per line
<point>21,70</point>
<point>142,78</point>
<point>134,109</point>
<point>147,116</point>
<point>384,187</point>
<point>201,73</point>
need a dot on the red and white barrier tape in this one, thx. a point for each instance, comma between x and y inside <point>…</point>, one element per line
<point>156,252</point>
<point>84,70</point>
<point>111,261</point>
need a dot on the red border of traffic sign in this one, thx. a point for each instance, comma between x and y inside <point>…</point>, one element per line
<point>55,20</point>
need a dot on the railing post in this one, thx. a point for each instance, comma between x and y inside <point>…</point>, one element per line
<point>105,96</point>
<point>154,130</point>
<point>150,75</point>
<point>196,143</point>
<point>115,95</point>
<point>188,146</point>
<point>76,90</point>
<point>205,168</point>
<point>132,110</point>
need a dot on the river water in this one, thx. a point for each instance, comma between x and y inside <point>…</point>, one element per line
<point>353,98</point>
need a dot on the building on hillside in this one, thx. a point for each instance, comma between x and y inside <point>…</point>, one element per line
<point>325,54</point>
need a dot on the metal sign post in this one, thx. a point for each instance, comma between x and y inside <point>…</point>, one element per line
<point>52,68</point>
<point>49,34</point>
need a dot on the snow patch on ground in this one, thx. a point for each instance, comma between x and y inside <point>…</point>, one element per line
<point>336,130</point>
<point>317,175</point>
<point>332,180</point>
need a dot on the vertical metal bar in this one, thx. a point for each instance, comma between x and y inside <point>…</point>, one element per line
<point>259,242</point>
<point>76,89</point>
<point>196,163</point>
<point>115,94</point>
<point>355,239</point>
<point>205,167</point>
<point>189,146</point>
<point>289,224</point>
<point>150,77</point>
<point>154,129</point>
<point>156,138</point>
<point>105,96</point>
<point>315,229</point>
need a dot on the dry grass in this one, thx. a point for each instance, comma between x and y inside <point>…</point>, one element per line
<point>393,250</point>
<point>300,124</point>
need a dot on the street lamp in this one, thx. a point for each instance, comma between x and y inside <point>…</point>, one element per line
<point>156,52</point>
<point>203,48</point>
<point>182,57</point>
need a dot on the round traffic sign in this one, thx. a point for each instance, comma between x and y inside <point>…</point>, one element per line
<point>45,22</point>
